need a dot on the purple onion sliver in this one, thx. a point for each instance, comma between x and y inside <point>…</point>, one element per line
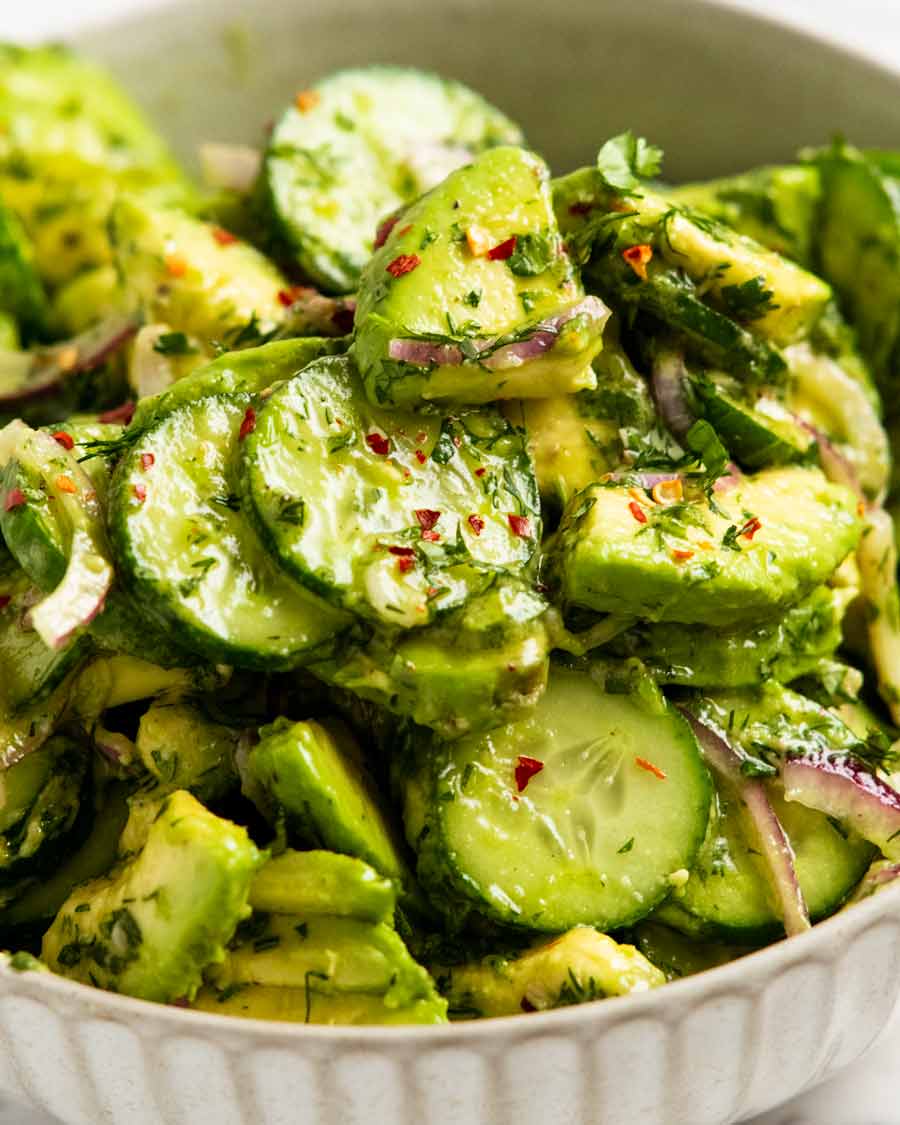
<point>843,788</point>
<point>667,382</point>
<point>835,465</point>
<point>774,844</point>
<point>423,353</point>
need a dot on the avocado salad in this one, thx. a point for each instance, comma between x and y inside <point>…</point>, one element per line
<point>431,587</point>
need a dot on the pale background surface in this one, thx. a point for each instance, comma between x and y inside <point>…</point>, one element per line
<point>868,1093</point>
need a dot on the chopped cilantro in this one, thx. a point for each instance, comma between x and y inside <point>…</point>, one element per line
<point>624,160</point>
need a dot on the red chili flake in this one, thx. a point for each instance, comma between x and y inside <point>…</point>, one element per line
<point>420,457</point>
<point>403,552</point>
<point>64,439</point>
<point>637,257</point>
<point>502,250</point>
<point>750,528</point>
<point>15,498</point>
<point>305,100</point>
<point>248,425</point>
<point>680,555</point>
<point>405,230</point>
<point>403,263</point>
<point>123,414</point>
<point>520,525</point>
<point>480,472</point>
<point>378,443</point>
<point>224,237</point>
<point>147,461</point>
<point>580,208</point>
<point>384,229</point>
<point>650,768</point>
<point>427,518</point>
<point>176,265</point>
<point>286,297</point>
<point>140,492</point>
<point>476,523</point>
<point>431,536</point>
<point>5,599</point>
<point>66,484</point>
<point>526,768</point>
<point>405,564</point>
<point>637,511</point>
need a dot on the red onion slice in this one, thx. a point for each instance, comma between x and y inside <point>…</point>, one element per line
<point>667,382</point>
<point>229,167</point>
<point>834,464</point>
<point>311,313</point>
<point>842,787</point>
<point>773,843</point>
<point>881,874</point>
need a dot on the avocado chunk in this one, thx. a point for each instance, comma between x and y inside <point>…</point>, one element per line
<point>779,648</point>
<point>775,206</point>
<point>151,927</point>
<point>678,956</point>
<point>21,292</point>
<point>480,667</point>
<point>185,273</point>
<point>359,145</point>
<point>310,1005</point>
<point>86,300</point>
<point>314,774</point>
<point>473,296</point>
<point>766,544</point>
<point>576,967</point>
<point>183,749</point>
<point>320,882</point>
<point>71,140</point>
<point>396,516</point>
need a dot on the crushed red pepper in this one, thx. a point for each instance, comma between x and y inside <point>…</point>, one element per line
<point>140,493</point>
<point>384,229</point>
<point>476,523</point>
<point>502,250</point>
<point>750,528</point>
<point>420,457</point>
<point>405,564</point>
<point>248,425</point>
<point>637,257</point>
<point>525,770</point>
<point>224,237</point>
<point>427,518</point>
<point>378,443</point>
<point>402,264</point>
<point>147,461</point>
<point>64,439</point>
<point>637,511</point>
<point>650,768</point>
<point>520,525</point>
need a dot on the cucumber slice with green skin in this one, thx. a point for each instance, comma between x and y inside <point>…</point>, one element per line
<point>756,435</point>
<point>356,147</point>
<point>776,297</point>
<point>858,248</point>
<point>398,517</point>
<point>728,895</point>
<point>245,372</point>
<point>775,206</point>
<point>313,774</point>
<point>771,540</point>
<point>191,560</point>
<point>781,649</point>
<point>620,804</point>
<point>473,296</point>
<point>21,292</point>
<point>479,667</point>
<point>194,277</point>
<point>317,882</point>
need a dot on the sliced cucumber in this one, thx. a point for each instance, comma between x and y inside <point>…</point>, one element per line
<point>356,147</point>
<point>473,296</point>
<point>728,892</point>
<point>313,774</point>
<point>188,556</point>
<point>767,543</point>
<point>781,648</point>
<point>398,517</point>
<point>758,434</point>
<point>579,813</point>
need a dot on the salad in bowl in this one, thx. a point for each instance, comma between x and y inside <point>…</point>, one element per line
<point>434,586</point>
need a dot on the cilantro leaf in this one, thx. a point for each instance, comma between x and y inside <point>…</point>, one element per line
<point>174,343</point>
<point>748,301</point>
<point>624,160</point>
<point>533,254</point>
<point>703,440</point>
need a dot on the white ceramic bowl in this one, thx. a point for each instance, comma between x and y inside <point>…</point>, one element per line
<point>720,90</point>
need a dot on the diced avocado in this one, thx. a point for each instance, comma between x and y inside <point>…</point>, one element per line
<point>183,749</point>
<point>94,857</point>
<point>40,801</point>
<point>482,666</point>
<point>757,433</point>
<point>778,299</point>
<point>21,292</point>
<point>473,296</point>
<point>313,773</point>
<point>70,140</point>
<point>184,273</point>
<point>858,242</point>
<point>87,299</point>
<point>578,966</point>
<point>678,956</point>
<point>318,882</point>
<point>156,922</point>
<point>309,1005</point>
<point>114,680</point>
<point>767,543</point>
<point>577,439</point>
<point>780,648</point>
<point>359,145</point>
<point>399,517</point>
<point>325,954</point>
<point>775,206</point>
<point>10,337</point>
